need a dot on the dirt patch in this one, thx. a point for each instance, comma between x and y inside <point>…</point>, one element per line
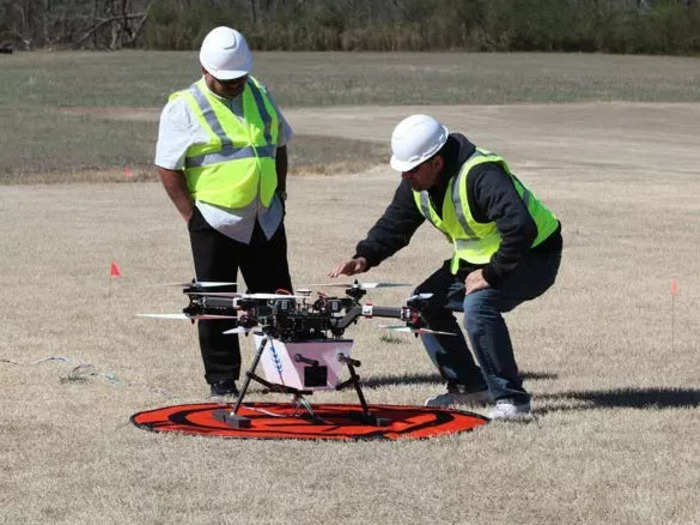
<point>612,135</point>
<point>116,112</point>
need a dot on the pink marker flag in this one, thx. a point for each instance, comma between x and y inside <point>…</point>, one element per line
<point>114,270</point>
<point>128,172</point>
<point>674,287</point>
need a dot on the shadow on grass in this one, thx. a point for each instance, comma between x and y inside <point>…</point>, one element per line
<point>414,379</point>
<point>655,398</point>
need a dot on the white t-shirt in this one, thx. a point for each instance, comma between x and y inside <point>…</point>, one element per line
<point>179,129</point>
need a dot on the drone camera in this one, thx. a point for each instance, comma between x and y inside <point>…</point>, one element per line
<point>315,376</point>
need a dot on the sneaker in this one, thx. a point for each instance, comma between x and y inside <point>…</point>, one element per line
<point>508,410</point>
<point>224,387</point>
<point>455,397</point>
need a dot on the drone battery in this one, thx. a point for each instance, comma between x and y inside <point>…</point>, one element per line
<point>305,365</point>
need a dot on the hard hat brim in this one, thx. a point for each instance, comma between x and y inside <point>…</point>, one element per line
<point>230,75</point>
<point>402,165</point>
<point>227,74</point>
<point>222,74</point>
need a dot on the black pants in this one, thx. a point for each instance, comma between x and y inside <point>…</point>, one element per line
<point>264,266</point>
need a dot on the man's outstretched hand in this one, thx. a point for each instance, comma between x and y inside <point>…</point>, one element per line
<point>350,267</point>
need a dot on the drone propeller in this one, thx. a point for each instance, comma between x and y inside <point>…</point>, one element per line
<point>240,295</point>
<point>404,328</point>
<point>362,286</point>
<point>197,284</point>
<point>217,294</point>
<point>420,296</point>
<point>165,316</point>
<point>185,317</point>
<point>238,330</point>
<point>269,296</point>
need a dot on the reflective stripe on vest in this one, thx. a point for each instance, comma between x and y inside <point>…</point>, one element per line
<point>476,242</point>
<point>236,168</point>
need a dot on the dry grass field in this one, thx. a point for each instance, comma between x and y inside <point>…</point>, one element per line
<point>609,355</point>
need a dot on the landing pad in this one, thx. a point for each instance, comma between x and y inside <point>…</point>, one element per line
<point>285,421</point>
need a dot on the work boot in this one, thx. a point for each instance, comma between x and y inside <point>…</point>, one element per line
<point>509,410</point>
<point>458,395</point>
<point>224,387</point>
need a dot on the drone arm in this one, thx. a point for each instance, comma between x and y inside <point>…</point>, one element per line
<point>411,316</point>
<point>384,311</point>
<point>350,316</point>
<point>211,304</point>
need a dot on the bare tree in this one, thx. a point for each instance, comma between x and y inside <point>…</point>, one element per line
<point>102,24</point>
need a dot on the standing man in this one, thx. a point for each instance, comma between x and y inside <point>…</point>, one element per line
<point>507,248</point>
<point>222,158</point>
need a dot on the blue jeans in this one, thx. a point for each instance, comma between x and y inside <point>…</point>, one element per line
<point>484,324</point>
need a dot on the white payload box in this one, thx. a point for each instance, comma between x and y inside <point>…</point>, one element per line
<point>306,365</point>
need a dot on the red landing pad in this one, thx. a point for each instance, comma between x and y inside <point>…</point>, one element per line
<point>284,421</point>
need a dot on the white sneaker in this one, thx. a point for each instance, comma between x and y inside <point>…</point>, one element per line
<point>507,410</point>
<point>479,398</point>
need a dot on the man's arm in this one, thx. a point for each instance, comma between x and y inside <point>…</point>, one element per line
<point>391,232</point>
<point>494,198</point>
<point>176,188</point>
<point>281,166</point>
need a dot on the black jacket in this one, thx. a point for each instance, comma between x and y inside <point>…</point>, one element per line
<point>492,197</point>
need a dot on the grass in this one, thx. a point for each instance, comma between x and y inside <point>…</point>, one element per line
<point>52,146</point>
<point>609,356</point>
<point>391,339</point>
<point>617,404</point>
<point>43,143</point>
<point>146,78</point>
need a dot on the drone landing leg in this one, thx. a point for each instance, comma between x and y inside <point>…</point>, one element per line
<point>232,418</point>
<point>367,417</point>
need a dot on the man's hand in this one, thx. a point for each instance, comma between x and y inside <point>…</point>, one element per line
<point>350,267</point>
<point>475,281</point>
<point>176,188</point>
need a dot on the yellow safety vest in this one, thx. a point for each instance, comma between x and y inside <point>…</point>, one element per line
<point>475,242</point>
<point>237,164</point>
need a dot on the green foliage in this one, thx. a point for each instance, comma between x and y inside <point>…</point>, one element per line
<point>180,25</point>
<point>620,26</point>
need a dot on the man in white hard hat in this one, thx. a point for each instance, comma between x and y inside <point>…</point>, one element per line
<point>222,158</point>
<point>507,249</point>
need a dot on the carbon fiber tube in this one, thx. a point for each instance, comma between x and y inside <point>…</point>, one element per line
<point>217,302</point>
<point>387,311</point>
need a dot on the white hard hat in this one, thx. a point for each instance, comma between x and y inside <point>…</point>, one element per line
<point>415,139</point>
<point>225,54</point>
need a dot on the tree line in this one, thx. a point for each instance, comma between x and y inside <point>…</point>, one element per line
<point>614,26</point>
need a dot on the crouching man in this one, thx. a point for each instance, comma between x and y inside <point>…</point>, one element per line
<point>507,249</point>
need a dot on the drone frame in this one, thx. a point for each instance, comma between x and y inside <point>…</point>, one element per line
<point>279,317</point>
